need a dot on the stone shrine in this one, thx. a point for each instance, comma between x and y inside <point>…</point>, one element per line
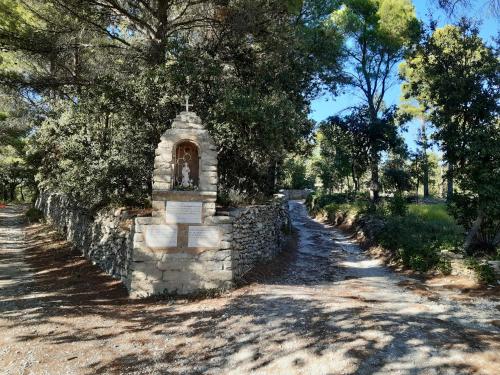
<point>183,248</point>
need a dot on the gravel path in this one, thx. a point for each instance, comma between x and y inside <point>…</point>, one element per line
<point>331,310</point>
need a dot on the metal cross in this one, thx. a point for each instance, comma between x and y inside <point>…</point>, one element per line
<point>187,103</point>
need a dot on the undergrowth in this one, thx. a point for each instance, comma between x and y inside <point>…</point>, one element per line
<point>415,234</point>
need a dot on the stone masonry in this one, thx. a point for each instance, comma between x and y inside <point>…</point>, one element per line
<point>185,246</point>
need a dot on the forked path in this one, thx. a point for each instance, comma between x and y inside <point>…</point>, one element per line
<point>331,310</point>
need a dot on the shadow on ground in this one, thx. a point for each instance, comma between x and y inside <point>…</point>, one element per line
<point>282,323</point>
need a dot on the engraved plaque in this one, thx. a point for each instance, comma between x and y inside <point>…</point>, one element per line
<point>183,212</point>
<point>203,237</point>
<point>160,236</point>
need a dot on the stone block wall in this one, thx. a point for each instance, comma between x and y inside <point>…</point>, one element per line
<point>104,238</point>
<point>259,234</point>
<point>184,271</point>
<point>114,241</point>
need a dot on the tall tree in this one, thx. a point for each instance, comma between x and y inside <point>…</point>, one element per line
<point>350,141</point>
<point>423,143</point>
<point>456,77</point>
<point>377,34</point>
<point>451,6</point>
<point>108,76</point>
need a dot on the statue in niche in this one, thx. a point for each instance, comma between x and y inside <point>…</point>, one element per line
<point>186,182</point>
<point>186,166</point>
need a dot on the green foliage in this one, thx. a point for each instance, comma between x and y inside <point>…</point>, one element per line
<point>444,266</point>
<point>294,174</point>
<point>349,143</point>
<point>454,74</point>
<point>33,215</point>
<point>337,213</point>
<point>418,242</point>
<point>108,77</point>
<point>315,202</point>
<point>377,34</point>
<point>395,175</point>
<point>417,235</point>
<point>398,205</point>
<point>484,272</point>
<point>431,212</point>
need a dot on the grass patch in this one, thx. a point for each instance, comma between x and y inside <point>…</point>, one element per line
<point>431,212</point>
<point>418,242</point>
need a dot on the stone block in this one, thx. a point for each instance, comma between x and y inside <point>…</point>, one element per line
<point>143,253</point>
<point>138,237</point>
<point>158,205</point>
<point>178,266</point>
<point>161,185</point>
<point>162,178</point>
<point>146,220</point>
<point>219,220</point>
<point>174,257</point>
<point>164,157</point>
<point>209,168</point>
<point>224,275</point>
<point>175,276</point>
<point>145,271</point>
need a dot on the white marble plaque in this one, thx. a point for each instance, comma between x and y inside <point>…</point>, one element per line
<point>204,237</point>
<point>183,212</point>
<point>160,236</point>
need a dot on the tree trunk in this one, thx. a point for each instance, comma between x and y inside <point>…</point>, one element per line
<point>449,180</point>
<point>374,180</point>
<point>355,179</point>
<point>474,230</point>
<point>425,181</point>
<point>12,192</point>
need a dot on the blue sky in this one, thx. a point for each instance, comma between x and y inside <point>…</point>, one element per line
<point>326,106</point>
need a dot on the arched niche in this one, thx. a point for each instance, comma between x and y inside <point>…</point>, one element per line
<point>186,166</point>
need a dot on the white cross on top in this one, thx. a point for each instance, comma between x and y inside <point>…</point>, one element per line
<point>187,103</point>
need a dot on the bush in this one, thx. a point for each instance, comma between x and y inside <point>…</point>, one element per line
<point>417,242</point>
<point>431,212</point>
<point>33,215</point>
<point>338,212</point>
<point>316,202</point>
<point>484,272</point>
<point>398,205</point>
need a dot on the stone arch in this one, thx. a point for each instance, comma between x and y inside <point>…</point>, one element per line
<point>186,152</point>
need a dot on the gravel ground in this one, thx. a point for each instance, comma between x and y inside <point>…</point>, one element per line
<point>329,310</point>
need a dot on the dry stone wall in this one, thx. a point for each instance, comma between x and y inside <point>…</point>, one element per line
<point>105,238</point>
<point>113,240</point>
<point>259,234</point>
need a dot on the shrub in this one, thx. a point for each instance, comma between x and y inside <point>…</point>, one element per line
<point>444,266</point>
<point>315,202</point>
<point>398,205</point>
<point>417,242</point>
<point>33,215</point>
<point>484,272</point>
<point>432,212</point>
<point>338,212</point>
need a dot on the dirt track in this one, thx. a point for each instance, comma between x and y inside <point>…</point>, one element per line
<point>331,310</point>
